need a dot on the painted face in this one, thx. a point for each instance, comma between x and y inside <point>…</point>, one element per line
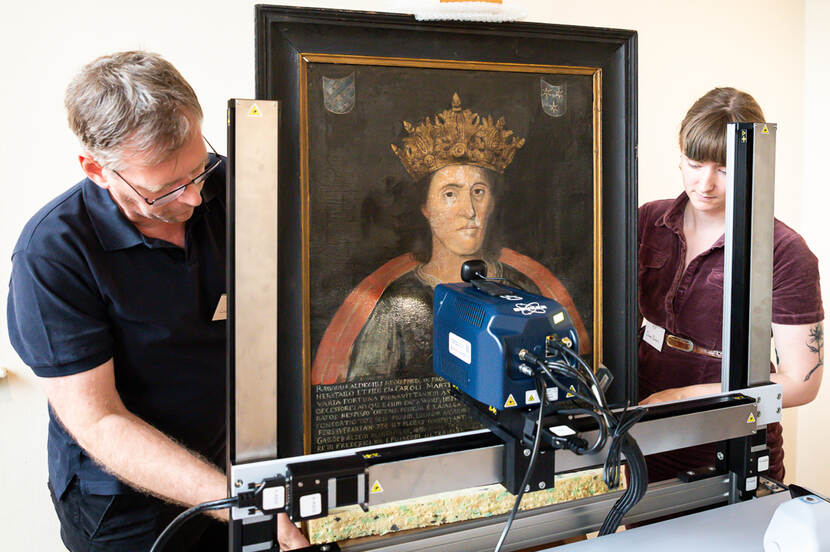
<point>156,180</point>
<point>458,204</point>
<point>705,184</point>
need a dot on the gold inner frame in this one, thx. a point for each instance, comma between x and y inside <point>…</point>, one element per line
<point>305,209</point>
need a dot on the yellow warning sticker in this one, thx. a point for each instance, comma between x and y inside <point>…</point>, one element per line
<point>531,397</point>
<point>751,419</point>
<point>510,401</point>
<point>376,488</point>
<point>254,111</point>
<point>765,130</point>
<point>571,392</point>
<point>558,317</point>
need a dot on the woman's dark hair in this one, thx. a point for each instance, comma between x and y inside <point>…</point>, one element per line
<point>703,130</point>
<point>420,239</point>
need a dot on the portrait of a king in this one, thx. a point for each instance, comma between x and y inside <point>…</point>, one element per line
<point>456,196</point>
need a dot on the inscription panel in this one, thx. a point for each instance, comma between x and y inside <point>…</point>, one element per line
<point>362,413</point>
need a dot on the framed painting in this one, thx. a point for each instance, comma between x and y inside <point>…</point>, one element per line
<point>409,147</point>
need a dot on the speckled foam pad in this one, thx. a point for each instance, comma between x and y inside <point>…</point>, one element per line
<point>352,522</point>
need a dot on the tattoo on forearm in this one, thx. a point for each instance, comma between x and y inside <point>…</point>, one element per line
<point>816,345</point>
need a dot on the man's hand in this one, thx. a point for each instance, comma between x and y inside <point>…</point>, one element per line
<point>288,535</point>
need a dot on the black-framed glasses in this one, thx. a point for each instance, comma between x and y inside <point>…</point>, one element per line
<point>174,194</point>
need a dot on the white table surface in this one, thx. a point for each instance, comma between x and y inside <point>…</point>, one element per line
<point>734,528</point>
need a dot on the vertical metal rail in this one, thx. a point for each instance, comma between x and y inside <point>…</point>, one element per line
<point>739,138</point>
<point>252,292</point>
<point>761,238</point>
<point>747,294</point>
<point>747,297</point>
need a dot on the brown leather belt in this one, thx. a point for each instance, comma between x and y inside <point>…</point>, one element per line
<point>683,344</point>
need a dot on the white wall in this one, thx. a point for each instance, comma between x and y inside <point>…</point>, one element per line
<point>43,45</point>
<point>685,48</point>
<point>811,460</point>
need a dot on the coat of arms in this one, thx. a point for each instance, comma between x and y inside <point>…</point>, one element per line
<point>339,94</point>
<point>554,98</point>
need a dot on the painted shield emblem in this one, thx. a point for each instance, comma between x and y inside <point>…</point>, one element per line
<point>338,94</point>
<point>554,98</point>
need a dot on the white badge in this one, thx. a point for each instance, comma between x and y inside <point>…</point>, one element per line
<point>221,312</point>
<point>653,335</point>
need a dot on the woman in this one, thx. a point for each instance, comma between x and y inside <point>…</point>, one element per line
<point>384,327</point>
<point>681,249</point>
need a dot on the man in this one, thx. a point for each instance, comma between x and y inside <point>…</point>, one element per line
<point>112,302</point>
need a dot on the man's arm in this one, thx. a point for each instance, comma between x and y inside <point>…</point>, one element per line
<point>89,407</point>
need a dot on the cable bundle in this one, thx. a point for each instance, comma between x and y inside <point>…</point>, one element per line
<point>622,444</point>
<point>636,487</point>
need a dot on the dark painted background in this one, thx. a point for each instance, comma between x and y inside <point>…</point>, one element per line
<point>546,207</point>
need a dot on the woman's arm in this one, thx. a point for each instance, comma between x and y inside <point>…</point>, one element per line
<point>682,393</point>
<point>800,351</point>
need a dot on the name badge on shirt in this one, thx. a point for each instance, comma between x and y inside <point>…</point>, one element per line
<point>653,335</point>
<point>221,309</point>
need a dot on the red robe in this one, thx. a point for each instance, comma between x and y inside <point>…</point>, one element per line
<point>331,362</point>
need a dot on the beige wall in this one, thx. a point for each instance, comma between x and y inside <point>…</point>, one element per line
<point>811,455</point>
<point>684,49</point>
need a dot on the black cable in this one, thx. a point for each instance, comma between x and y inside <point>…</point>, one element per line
<point>636,488</point>
<point>593,405</point>
<point>602,434</point>
<point>587,369</point>
<point>600,442</point>
<point>187,514</point>
<point>622,444</point>
<point>556,382</point>
<point>565,369</point>
<point>612,461</point>
<point>541,388</point>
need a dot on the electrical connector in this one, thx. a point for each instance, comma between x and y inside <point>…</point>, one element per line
<point>267,497</point>
<point>564,437</point>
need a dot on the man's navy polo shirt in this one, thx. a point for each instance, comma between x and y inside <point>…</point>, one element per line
<point>87,286</point>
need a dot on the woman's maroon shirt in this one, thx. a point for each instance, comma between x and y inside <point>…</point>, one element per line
<point>689,304</point>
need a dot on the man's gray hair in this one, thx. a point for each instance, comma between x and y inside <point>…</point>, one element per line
<point>131,102</point>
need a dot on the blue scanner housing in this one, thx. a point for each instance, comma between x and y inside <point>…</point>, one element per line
<point>477,337</point>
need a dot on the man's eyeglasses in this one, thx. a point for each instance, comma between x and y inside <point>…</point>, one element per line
<point>174,194</point>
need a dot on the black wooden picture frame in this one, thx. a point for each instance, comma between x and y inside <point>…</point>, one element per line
<point>292,44</point>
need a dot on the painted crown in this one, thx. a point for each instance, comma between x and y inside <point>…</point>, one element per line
<point>456,137</point>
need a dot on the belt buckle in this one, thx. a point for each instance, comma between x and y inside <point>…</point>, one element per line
<point>679,343</point>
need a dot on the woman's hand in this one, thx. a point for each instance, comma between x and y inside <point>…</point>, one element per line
<point>289,535</point>
<point>681,393</point>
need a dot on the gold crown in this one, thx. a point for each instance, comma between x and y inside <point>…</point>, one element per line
<point>456,137</point>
